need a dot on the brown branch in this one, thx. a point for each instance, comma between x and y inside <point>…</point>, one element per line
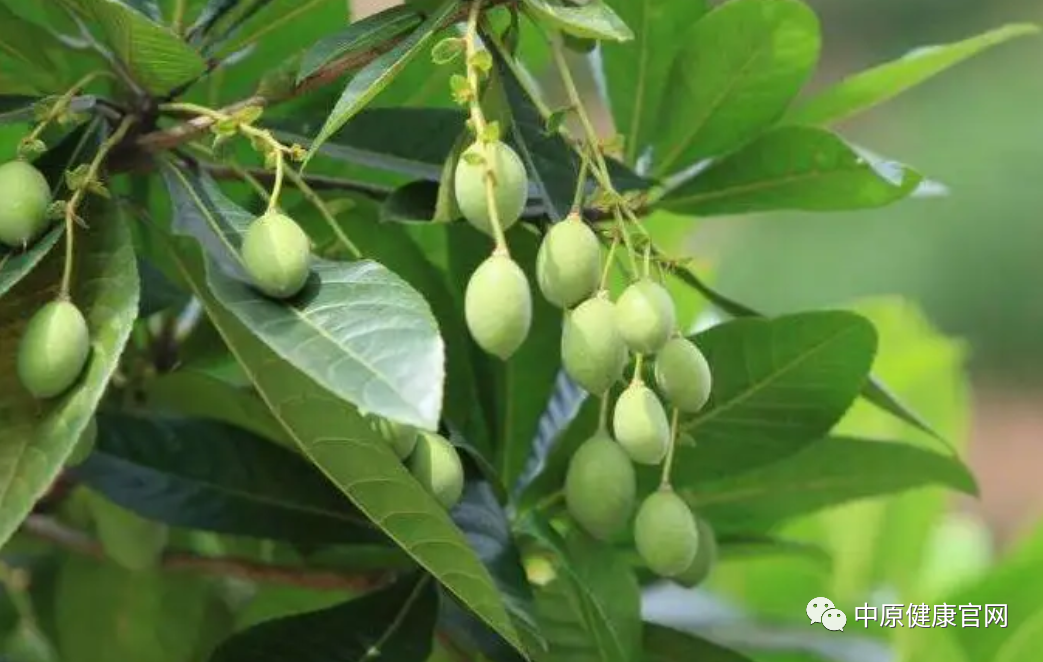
<point>53,531</point>
<point>172,137</point>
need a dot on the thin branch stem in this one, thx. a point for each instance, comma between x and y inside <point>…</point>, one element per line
<point>311,196</point>
<point>668,463</point>
<point>62,103</point>
<point>53,531</point>
<point>607,269</point>
<point>603,413</point>
<point>316,182</point>
<point>78,195</point>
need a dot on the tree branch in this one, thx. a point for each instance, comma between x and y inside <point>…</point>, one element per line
<point>53,531</point>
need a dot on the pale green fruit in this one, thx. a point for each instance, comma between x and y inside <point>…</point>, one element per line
<point>640,424</point>
<point>705,557</point>
<point>130,540</point>
<point>400,436</point>
<point>25,196</point>
<point>683,375</point>
<point>498,306</point>
<point>511,186</point>
<point>437,467</point>
<point>665,533</point>
<point>568,264</point>
<point>646,316</point>
<point>54,349</point>
<point>277,255</point>
<point>601,487</point>
<point>592,351</point>
<point>84,445</point>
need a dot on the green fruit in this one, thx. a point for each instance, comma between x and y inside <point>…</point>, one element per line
<point>683,375</point>
<point>128,539</point>
<point>646,317</point>
<point>592,351</point>
<point>600,487</point>
<point>277,255</point>
<point>705,557</point>
<point>84,445</point>
<point>640,424</point>
<point>401,437</point>
<point>436,465</point>
<point>568,264</point>
<point>54,349</point>
<point>25,196</point>
<point>665,533</point>
<point>511,186</point>
<point>498,306</point>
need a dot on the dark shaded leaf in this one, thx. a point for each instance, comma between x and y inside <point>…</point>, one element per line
<point>663,644</point>
<point>793,167</point>
<point>371,31</point>
<point>412,203</point>
<point>394,623</point>
<point>214,477</point>
<point>563,407</point>
<point>157,292</point>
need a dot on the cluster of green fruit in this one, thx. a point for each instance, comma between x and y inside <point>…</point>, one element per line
<point>430,457</point>
<point>55,347</point>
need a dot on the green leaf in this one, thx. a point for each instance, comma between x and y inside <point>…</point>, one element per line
<point>30,49</point>
<point>358,330</point>
<point>17,108</point>
<point>869,88</point>
<point>826,473</point>
<point>341,443</point>
<point>663,644</point>
<point>593,20</point>
<point>779,384</point>
<point>215,10</point>
<point>361,35</point>
<point>793,167</point>
<point>38,436</point>
<point>375,76</point>
<point>1023,644</point>
<point>394,623</point>
<point>106,613</point>
<point>415,202</point>
<point>636,73</point>
<point>737,71</point>
<point>157,292</point>
<point>214,477</point>
<point>591,609</point>
<point>156,57</point>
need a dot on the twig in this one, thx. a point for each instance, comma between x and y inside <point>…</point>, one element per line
<point>53,531</point>
<point>317,182</point>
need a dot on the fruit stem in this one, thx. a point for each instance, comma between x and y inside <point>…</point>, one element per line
<point>648,258</point>
<point>62,104</point>
<point>639,363</point>
<point>177,22</point>
<point>478,119</point>
<point>77,198</point>
<point>608,263</point>
<point>664,481</point>
<point>581,188</point>
<point>603,413</point>
<point>311,196</point>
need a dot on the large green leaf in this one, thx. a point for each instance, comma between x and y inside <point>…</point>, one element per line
<point>636,72</point>
<point>778,385</point>
<point>869,88</point>
<point>358,330</point>
<point>214,477</point>
<point>394,623</point>
<point>105,613</point>
<point>737,71</point>
<point>360,35</point>
<point>827,473</point>
<point>591,609</point>
<point>592,20</point>
<point>793,167</point>
<point>342,444</point>
<point>375,76</point>
<point>663,644</point>
<point>29,50</point>
<point>38,436</point>
<point>155,56</point>
<point>1024,643</point>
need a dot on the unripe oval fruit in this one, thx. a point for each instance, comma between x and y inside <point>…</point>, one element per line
<point>705,557</point>
<point>54,349</point>
<point>401,437</point>
<point>646,317</point>
<point>683,375</point>
<point>592,351</point>
<point>277,255</point>
<point>640,424</point>
<point>665,533</point>
<point>568,264</point>
<point>128,539</point>
<point>25,196</point>
<point>436,466</point>
<point>84,445</point>
<point>498,306</point>
<point>600,487</point>
<point>511,186</point>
